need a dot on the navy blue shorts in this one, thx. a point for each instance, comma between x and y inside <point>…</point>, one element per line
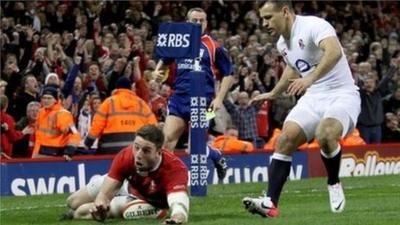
<point>179,105</point>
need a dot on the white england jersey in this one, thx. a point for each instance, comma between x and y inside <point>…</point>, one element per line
<point>302,54</point>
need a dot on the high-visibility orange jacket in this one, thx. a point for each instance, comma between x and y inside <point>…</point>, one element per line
<point>270,145</point>
<point>117,119</point>
<point>228,144</point>
<point>56,133</point>
<point>353,138</point>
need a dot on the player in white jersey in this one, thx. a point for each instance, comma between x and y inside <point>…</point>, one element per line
<point>328,110</point>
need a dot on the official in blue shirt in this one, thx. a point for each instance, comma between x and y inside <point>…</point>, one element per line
<point>214,62</point>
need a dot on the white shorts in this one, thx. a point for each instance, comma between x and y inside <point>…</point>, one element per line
<point>93,187</point>
<point>345,106</point>
<point>120,199</point>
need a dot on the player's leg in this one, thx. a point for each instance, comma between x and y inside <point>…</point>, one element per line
<point>175,123</point>
<point>83,196</point>
<point>291,138</point>
<point>86,194</point>
<point>297,129</point>
<point>116,206</point>
<point>338,120</point>
<point>219,162</point>
<point>328,134</point>
<point>173,129</point>
<point>279,168</point>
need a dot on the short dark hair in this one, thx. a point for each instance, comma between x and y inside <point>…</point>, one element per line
<point>153,134</point>
<point>25,78</point>
<point>279,4</point>
<point>196,9</point>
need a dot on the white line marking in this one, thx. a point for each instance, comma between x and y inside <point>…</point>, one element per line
<point>33,207</point>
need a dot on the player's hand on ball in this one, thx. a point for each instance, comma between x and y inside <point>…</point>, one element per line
<point>99,211</point>
<point>177,218</point>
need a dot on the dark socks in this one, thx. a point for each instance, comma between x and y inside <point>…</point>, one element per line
<point>332,165</point>
<point>278,173</point>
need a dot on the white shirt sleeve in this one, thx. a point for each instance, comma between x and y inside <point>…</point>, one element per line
<point>179,203</point>
<point>320,30</point>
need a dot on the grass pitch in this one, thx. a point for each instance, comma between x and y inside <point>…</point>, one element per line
<point>369,201</point>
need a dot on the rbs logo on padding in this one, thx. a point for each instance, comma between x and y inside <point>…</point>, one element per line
<point>173,40</point>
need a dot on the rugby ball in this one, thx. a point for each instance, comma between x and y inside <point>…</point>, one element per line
<point>138,209</point>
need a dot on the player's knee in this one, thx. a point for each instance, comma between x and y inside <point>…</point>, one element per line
<point>284,144</point>
<point>327,136</point>
<point>73,202</point>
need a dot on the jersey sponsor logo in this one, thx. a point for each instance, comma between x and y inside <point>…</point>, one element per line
<point>302,65</point>
<point>173,40</point>
<point>187,64</point>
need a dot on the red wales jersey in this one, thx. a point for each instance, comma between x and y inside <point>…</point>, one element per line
<point>170,176</point>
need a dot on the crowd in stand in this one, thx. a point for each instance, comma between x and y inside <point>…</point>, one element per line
<point>84,49</point>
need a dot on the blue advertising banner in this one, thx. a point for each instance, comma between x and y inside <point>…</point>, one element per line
<point>198,134</point>
<point>178,40</point>
<point>38,178</point>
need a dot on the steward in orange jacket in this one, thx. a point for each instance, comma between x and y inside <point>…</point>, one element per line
<point>118,118</point>
<point>229,144</point>
<point>56,134</point>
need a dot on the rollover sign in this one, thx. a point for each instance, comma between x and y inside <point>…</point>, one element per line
<point>367,160</point>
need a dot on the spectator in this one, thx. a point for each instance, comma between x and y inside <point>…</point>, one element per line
<point>157,102</point>
<point>118,118</point>
<point>8,133</point>
<point>263,120</point>
<point>24,147</point>
<point>95,80</point>
<point>371,116</point>
<point>393,102</point>
<point>391,130</point>
<point>3,86</point>
<point>29,94</point>
<point>56,134</point>
<point>244,117</point>
<point>52,79</point>
<point>229,141</point>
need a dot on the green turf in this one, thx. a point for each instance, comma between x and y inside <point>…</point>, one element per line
<point>370,201</point>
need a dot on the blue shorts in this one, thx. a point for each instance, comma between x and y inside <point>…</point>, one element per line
<point>179,105</point>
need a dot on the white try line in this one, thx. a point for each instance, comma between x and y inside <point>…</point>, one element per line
<point>33,207</point>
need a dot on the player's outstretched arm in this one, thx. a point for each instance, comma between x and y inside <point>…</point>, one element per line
<point>179,205</point>
<point>288,74</point>
<point>101,207</point>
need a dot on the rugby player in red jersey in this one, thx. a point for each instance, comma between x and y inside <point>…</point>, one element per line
<point>152,174</point>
